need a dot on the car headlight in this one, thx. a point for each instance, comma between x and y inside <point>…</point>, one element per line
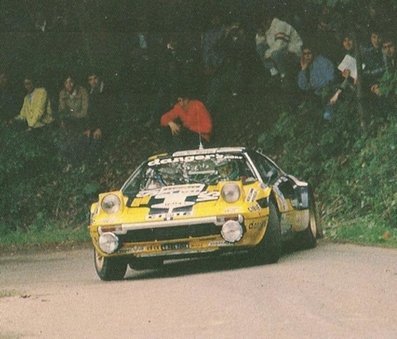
<point>108,242</point>
<point>230,192</point>
<point>232,231</point>
<point>111,203</point>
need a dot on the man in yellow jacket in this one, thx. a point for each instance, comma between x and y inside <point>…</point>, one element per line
<point>36,109</point>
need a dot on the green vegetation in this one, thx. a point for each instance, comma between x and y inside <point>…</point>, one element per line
<point>364,230</point>
<point>49,236</point>
<point>45,200</point>
<point>351,168</point>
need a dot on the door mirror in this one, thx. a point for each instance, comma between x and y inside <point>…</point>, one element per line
<point>301,199</point>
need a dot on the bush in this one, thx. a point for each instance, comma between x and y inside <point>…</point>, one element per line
<point>38,186</point>
<point>353,171</point>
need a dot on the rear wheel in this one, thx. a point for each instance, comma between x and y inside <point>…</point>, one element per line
<point>109,268</point>
<point>308,237</point>
<point>269,249</point>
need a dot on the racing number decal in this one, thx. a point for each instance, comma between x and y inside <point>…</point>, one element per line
<point>179,197</point>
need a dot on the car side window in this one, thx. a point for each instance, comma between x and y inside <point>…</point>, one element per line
<point>268,172</point>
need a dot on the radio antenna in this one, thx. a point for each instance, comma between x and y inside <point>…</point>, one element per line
<point>200,144</point>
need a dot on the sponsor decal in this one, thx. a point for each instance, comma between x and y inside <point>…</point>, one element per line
<point>252,194</point>
<point>146,193</point>
<point>137,248</point>
<point>175,246</point>
<point>255,225</point>
<point>207,196</point>
<point>219,243</point>
<point>254,208</point>
<point>190,158</point>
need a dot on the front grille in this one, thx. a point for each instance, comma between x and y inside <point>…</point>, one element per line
<point>170,233</point>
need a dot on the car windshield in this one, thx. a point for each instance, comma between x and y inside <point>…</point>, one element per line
<point>206,169</point>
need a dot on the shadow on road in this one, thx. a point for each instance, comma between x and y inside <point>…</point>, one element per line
<point>175,268</point>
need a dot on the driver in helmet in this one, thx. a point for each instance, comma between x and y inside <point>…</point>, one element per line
<point>228,170</point>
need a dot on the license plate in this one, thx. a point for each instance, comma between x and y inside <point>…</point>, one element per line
<point>174,246</point>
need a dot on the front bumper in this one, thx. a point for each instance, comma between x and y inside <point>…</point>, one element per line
<point>185,237</point>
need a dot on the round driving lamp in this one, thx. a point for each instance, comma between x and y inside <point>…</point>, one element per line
<point>232,231</point>
<point>111,204</point>
<point>230,192</point>
<point>108,242</point>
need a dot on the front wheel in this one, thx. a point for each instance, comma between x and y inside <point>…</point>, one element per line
<point>269,248</point>
<point>109,268</point>
<point>308,237</point>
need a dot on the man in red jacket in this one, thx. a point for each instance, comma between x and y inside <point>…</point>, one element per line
<point>190,123</point>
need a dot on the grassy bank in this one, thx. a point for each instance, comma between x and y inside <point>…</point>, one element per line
<point>364,232</point>
<point>47,238</point>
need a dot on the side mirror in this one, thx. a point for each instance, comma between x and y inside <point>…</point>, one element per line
<point>301,200</point>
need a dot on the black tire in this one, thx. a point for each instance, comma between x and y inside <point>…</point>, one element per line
<point>308,237</point>
<point>269,249</point>
<point>146,264</point>
<point>109,268</point>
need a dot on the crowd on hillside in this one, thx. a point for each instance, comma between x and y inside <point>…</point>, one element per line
<point>315,55</point>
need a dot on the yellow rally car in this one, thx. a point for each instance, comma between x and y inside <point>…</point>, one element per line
<point>200,202</point>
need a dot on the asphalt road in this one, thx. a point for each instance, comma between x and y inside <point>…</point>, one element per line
<point>333,291</point>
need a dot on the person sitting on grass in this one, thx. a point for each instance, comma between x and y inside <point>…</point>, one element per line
<point>386,87</point>
<point>317,72</point>
<point>36,109</point>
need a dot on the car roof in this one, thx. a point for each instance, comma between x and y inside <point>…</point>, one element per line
<point>201,151</point>
<point>209,151</point>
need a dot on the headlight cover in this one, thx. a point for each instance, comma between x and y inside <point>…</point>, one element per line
<point>111,204</point>
<point>232,231</point>
<point>108,242</point>
<point>231,192</point>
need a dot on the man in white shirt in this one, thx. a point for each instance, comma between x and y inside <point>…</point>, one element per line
<point>278,44</point>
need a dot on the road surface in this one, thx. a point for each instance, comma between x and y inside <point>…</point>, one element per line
<point>333,291</point>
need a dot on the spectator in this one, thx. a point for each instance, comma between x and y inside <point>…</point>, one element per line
<point>348,74</point>
<point>190,123</point>
<point>236,72</point>
<point>372,59</point>
<point>178,64</point>
<point>36,109</point>
<point>278,45</point>
<point>139,67</point>
<point>387,86</point>
<point>346,47</point>
<point>317,72</point>
<point>380,11</point>
<point>7,99</point>
<point>73,102</point>
<point>326,33</point>
<point>212,56</point>
<point>99,107</point>
<point>73,108</point>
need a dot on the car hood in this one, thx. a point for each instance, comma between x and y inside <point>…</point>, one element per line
<point>178,200</point>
